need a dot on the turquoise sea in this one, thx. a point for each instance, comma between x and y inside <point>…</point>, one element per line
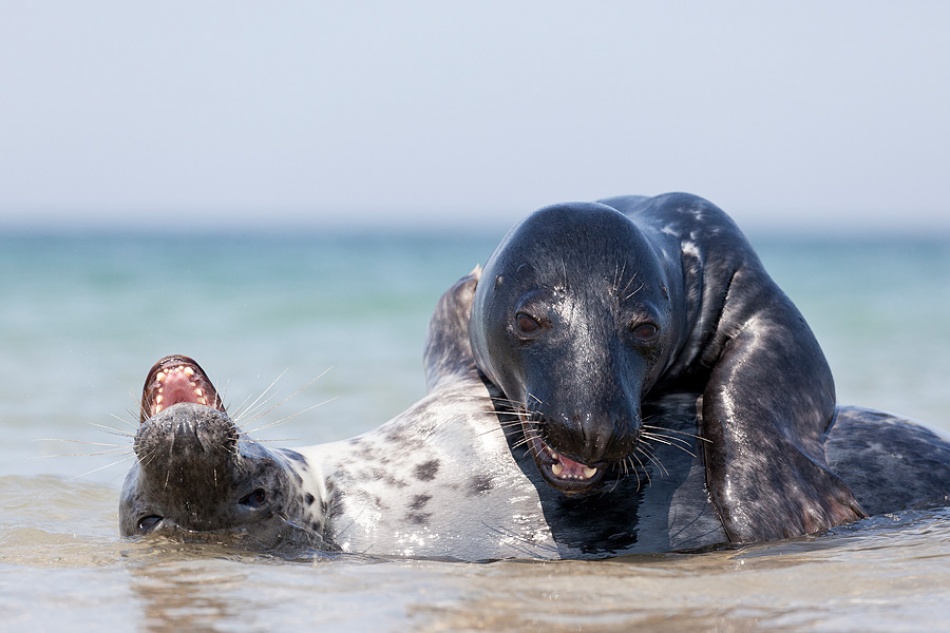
<point>330,327</point>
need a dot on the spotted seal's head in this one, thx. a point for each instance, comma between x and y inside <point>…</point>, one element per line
<point>198,479</point>
<point>572,321</point>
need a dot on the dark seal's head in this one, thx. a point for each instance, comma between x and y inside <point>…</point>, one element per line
<point>572,321</point>
<point>198,479</point>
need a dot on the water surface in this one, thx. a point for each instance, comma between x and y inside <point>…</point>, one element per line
<point>339,322</point>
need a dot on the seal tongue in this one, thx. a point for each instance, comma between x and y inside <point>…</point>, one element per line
<point>567,468</point>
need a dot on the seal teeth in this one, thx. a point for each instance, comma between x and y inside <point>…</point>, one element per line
<point>565,469</point>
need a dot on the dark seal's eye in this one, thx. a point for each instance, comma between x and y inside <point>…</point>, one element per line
<point>526,323</point>
<point>254,500</point>
<point>149,523</point>
<point>644,332</point>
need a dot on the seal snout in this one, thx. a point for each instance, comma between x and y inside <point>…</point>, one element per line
<point>575,453</point>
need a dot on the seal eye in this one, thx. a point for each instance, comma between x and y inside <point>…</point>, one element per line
<point>526,323</point>
<point>254,500</point>
<point>149,523</point>
<point>645,332</point>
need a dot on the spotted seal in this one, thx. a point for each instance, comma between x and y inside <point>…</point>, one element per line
<point>588,313</point>
<point>452,478</point>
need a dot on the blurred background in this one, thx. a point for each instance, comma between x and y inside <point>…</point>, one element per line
<point>175,116</point>
<point>289,188</point>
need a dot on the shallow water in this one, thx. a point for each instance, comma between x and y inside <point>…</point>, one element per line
<point>82,319</point>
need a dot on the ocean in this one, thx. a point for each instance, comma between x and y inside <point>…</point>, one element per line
<point>329,328</point>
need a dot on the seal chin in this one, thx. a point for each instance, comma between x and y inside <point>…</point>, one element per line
<point>561,472</point>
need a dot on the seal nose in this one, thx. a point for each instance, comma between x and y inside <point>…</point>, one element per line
<point>187,454</point>
<point>592,438</point>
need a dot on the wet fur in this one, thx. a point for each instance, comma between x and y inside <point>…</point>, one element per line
<point>592,275</point>
<point>452,478</point>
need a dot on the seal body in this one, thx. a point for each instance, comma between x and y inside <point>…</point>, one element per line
<point>588,314</point>
<point>453,478</point>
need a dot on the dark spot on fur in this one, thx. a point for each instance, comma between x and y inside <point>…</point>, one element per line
<point>480,484</point>
<point>378,474</point>
<point>419,501</point>
<point>316,526</point>
<point>418,518</point>
<point>426,471</point>
<point>309,499</point>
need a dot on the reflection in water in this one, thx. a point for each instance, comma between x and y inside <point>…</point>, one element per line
<point>867,578</point>
<point>186,591</point>
<point>886,573</point>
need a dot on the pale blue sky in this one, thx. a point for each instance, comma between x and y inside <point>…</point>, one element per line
<point>821,115</point>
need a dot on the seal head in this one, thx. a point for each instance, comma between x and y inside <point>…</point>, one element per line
<point>575,336</point>
<point>198,479</point>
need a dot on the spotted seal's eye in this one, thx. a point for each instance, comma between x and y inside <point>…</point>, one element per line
<point>254,500</point>
<point>644,332</point>
<point>526,323</point>
<point>149,523</point>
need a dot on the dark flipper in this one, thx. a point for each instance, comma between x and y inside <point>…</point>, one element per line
<point>767,406</point>
<point>448,354</point>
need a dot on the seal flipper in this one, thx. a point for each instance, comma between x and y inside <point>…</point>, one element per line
<point>767,406</point>
<point>448,354</point>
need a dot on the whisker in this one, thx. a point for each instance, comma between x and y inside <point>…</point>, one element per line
<point>641,469</point>
<point>132,415</point>
<point>646,452</point>
<point>639,288</point>
<point>521,442</point>
<point>85,442</point>
<point>101,468</point>
<point>618,275</point>
<point>245,409</point>
<point>630,281</point>
<point>110,430</point>
<point>240,418</point>
<point>676,442</point>
<point>288,418</point>
<point>494,428</point>
<point>695,436</point>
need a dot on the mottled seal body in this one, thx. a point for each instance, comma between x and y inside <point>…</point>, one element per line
<point>451,477</point>
<point>587,313</point>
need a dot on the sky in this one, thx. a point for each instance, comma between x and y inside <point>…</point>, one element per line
<point>819,116</point>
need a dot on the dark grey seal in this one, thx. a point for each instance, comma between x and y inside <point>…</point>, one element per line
<point>589,314</point>
<point>449,478</point>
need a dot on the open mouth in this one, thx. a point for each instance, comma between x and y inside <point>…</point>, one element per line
<point>561,472</point>
<point>176,379</point>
